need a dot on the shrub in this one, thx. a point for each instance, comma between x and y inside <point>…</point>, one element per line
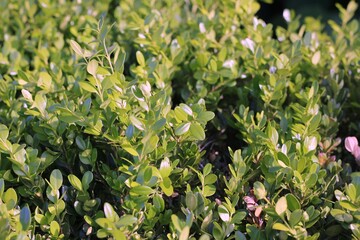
<point>121,121</point>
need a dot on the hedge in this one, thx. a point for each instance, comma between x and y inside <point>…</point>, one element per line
<point>177,120</point>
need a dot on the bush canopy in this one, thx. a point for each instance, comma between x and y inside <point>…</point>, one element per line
<point>180,120</point>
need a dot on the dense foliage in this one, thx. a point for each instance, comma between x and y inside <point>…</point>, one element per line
<point>177,120</point>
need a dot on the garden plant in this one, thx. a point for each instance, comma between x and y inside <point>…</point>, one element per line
<point>168,119</point>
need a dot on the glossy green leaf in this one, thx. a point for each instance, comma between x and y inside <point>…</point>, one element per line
<point>180,114</point>
<point>87,87</point>
<point>186,109</point>
<point>56,179</point>
<point>10,198</point>
<point>206,116</point>
<point>75,182</point>
<point>54,228</point>
<point>348,205</point>
<point>280,226</point>
<point>25,217</point>
<point>182,129</point>
<point>197,131</point>
<point>141,190</point>
<point>110,212</point>
<point>166,186</point>
<point>259,190</point>
<point>86,180</point>
<point>224,213</point>
<point>292,202</point>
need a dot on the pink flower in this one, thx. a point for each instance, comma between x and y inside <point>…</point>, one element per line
<point>352,145</point>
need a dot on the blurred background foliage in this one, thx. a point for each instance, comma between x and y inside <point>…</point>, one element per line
<point>271,10</point>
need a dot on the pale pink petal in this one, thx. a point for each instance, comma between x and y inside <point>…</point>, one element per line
<point>351,143</point>
<point>356,152</point>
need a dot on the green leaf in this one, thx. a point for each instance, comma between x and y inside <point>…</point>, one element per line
<point>110,212</point>
<point>19,156</point>
<point>87,87</point>
<point>180,114</point>
<point>224,213</point>
<point>2,187</point>
<point>141,190</point>
<point>159,125</point>
<point>165,168</point>
<point>86,180</point>
<point>206,116</point>
<point>182,129</point>
<point>25,217</point>
<point>281,206</point>
<point>75,182</point>
<point>292,202</point>
<point>54,228</point>
<point>186,109</point>
<point>4,132</point>
<point>197,131</point>
<point>159,203</point>
<point>104,223</point>
<point>176,222</point>
<point>92,67</point>
<point>239,236</point>
<point>348,205</point>
<point>130,150</point>
<point>76,47</point>
<point>107,83</point>
<point>10,198</point>
<point>311,180</point>
<point>280,227</point>
<point>205,237</point>
<point>140,58</point>
<point>307,39</point>
<point>295,217</point>
<point>56,179</point>
<point>273,135</point>
<point>217,232</point>
<point>166,186</point>
<point>259,190</point>
<point>210,179</point>
<point>207,169</point>
<point>126,220</point>
<point>40,103</point>
<point>80,142</point>
<point>238,217</point>
<point>209,190</point>
<point>137,123</point>
<point>191,201</point>
<point>150,144</point>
